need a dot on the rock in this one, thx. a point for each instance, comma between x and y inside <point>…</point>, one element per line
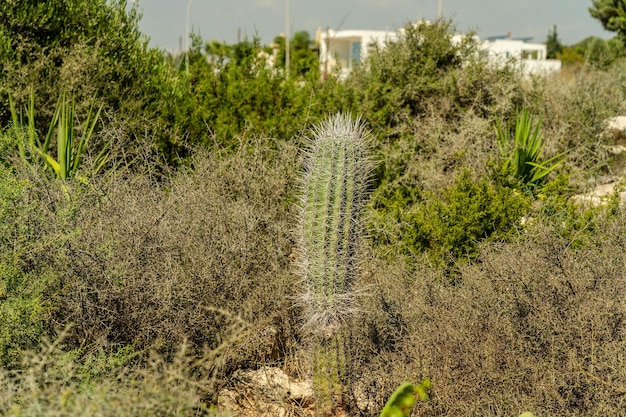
<point>600,194</point>
<point>615,149</point>
<point>265,392</point>
<point>616,123</point>
<point>363,402</point>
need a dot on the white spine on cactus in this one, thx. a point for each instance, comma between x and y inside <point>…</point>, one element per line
<point>333,193</point>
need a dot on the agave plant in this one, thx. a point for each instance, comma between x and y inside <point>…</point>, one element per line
<point>70,150</point>
<point>525,149</point>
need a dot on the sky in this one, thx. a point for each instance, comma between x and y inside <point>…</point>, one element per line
<point>165,21</point>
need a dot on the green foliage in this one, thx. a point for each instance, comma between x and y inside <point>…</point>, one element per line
<point>94,51</point>
<point>612,15</point>
<point>234,91</point>
<point>572,220</point>
<point>597,53</point>
<point>601,53</point>
<point>553,44</point>
<point>50,24</point>
<point>24,310</point>
<point>217,52</point>
<point>302,58</point>
<point>413,74</point>
<point>403,398</point>
<point>70,153</point>
<point>468,213</point>
<point>571,55</point>
<point>448,226</point>
<point>524,146</point>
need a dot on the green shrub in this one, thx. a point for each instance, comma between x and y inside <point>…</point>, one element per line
<point>241,94</point>
<point>94,51</point>
<point>24,313</point>
<point>448,226</point>
<point>427,70</point>
<point>24,286</point>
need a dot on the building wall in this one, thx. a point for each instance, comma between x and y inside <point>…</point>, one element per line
<point>344,49</point>
<point>529,57</point>
<point>347,48</point>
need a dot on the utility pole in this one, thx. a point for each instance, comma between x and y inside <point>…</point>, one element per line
<point>287,40</point>
<point>187,37</point>
<point>440,10</point>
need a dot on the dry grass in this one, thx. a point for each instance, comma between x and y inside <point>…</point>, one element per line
<point>533,325</point>
<point>51,382</point>
<point>148,258</point>
<point>576,104</point>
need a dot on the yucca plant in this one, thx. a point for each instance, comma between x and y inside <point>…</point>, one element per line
<point>70,150</point>
<point>524,149</point>
<point>31,143</point>
<point>333,192</point>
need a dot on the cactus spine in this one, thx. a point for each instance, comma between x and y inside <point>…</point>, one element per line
<point>333,192</point>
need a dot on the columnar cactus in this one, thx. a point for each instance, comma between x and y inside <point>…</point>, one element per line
<point>333,192</point>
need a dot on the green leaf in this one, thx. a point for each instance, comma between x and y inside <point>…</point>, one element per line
<point>524,149</point>
<point>402,400</point>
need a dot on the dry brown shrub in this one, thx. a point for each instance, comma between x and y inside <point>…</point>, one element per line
<point>576,104</point>
<point>51,382</point>
<point>439,151</point>
<point>470,143</point>
<point>155,263</point>
<point>533,325</point>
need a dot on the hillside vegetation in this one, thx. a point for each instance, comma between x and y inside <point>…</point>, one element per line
<point>163,262</point>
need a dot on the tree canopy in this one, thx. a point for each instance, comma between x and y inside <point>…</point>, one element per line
<point>91,49</point>
<point>612,15</point>
<point>553,44</point>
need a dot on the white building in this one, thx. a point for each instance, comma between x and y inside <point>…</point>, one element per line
<point>531,57</point>
<point>342,50</point>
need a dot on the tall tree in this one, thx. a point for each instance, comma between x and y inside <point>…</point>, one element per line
<point>216,51</point>
<point>553,44</point>
<point>303,56</point>
<point>612,15</point>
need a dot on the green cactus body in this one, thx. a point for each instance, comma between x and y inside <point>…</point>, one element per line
<point>330,372</point>
<point>333,192</point>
